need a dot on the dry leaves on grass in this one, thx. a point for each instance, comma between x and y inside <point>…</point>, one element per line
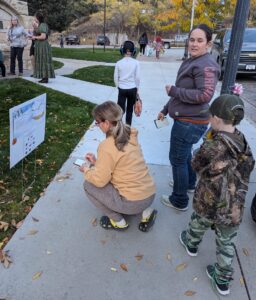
<point>190,293</point>
<point>17,225</point>
<point>181,267</point>
<point>37,275</point>
<point>5,259</point>
<point>124,267</point>
<point>4,225</point>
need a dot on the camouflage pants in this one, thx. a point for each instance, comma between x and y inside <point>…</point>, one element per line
<point>225,239</point>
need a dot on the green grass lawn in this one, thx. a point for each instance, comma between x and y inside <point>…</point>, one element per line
<point>110,55</point>
<point>67,119</point>
<point>57,64</point>
<point>98,74</point>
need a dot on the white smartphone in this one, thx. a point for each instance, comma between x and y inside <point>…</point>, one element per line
<point>79,162</point>
<point>161,123</point>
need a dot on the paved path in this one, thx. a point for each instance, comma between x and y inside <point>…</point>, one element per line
<point>76,258</point>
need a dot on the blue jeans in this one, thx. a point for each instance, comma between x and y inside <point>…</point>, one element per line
<point>183,136</point>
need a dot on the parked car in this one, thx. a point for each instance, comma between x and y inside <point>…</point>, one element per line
<point>101,40</point>
<point>72,39</point>
<point>247,62</point>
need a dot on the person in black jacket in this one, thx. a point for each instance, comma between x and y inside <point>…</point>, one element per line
<point>143,41</point>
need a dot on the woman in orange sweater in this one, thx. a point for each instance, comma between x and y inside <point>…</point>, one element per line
<point>118,181</point>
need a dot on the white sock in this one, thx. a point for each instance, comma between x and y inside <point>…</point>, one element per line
<point>147,212</point>
<point>121,223</point>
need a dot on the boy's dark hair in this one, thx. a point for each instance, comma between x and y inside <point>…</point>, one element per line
<point>207,30</point>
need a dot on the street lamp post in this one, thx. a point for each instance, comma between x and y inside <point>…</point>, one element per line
<point>236,41</point>
<point>192,15</point>
<point>104,25</point>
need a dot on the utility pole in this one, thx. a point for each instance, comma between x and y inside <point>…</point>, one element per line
<point>104,25</point>
<point>192,15</point>
<point>236,41</point>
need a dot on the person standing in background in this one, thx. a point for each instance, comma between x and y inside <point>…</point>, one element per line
<point>61,41</point>
<point>143,41</point>
<point>43,52</point>
<point>127,79</point>
<point>32,46</point>
<point>17,36</point>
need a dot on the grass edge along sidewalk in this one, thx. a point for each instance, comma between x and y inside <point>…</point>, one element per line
<point>67,118</point>
<point>109,56</point>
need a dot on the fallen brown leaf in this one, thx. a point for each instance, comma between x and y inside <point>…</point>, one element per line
<point>4,225</point>
<point>246,252</point>
<point>37,275</point>
<point>124,267</point>
<point>39,161</point>
<point>25,198</point>
<point>113,269</point>
<point>181,267</point>
<point>94,222</point>
<point>190,293</point>
<point>18,225</point>
<point>5,259</point>
<point>35,219</point>
<point>242,281</point>
<point>32,232</point>
<point>139,257</point>
<point>169,257</point>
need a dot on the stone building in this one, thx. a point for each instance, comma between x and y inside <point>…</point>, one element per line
<point>9,8</point>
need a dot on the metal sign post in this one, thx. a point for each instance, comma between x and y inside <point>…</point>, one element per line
<point>236,41</point>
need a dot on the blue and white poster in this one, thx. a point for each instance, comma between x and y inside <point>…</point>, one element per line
<point>27,128</point>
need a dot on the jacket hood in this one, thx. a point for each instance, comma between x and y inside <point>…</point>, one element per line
<point>236,143</point>
<point>133,137</point>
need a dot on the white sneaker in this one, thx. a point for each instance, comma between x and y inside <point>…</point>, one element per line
<point>189,190</point>
<point>165,200</point>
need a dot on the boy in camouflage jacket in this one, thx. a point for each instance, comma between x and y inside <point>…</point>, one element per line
<point>223,164</point>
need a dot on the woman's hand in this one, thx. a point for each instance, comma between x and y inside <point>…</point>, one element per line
<point>168,88</point>
<point>160,116</point>
<point>91,158</point>
<point>83,168</point>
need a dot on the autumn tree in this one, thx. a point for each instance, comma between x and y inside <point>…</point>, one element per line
<point>210,12</point>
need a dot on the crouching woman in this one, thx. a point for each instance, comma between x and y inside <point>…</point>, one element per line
<point>118,181</point>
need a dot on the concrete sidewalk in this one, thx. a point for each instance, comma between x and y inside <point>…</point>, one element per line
<point>76,257</point>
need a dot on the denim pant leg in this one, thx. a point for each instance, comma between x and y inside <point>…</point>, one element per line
<point>183,136</point>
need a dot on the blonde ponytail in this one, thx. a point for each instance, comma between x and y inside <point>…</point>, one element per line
<point>113,113</point>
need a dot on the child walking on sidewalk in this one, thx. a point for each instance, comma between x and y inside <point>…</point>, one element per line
<point>224,163</point>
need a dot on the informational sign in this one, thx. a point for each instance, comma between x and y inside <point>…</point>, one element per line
<point>27,128</point>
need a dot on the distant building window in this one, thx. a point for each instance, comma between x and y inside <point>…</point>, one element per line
<point>1,25</point>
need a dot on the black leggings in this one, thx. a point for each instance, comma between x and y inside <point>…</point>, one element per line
<point>2,67</point>
<point>130,96</point>
<point>142,48</point>
<point>16,52</point>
